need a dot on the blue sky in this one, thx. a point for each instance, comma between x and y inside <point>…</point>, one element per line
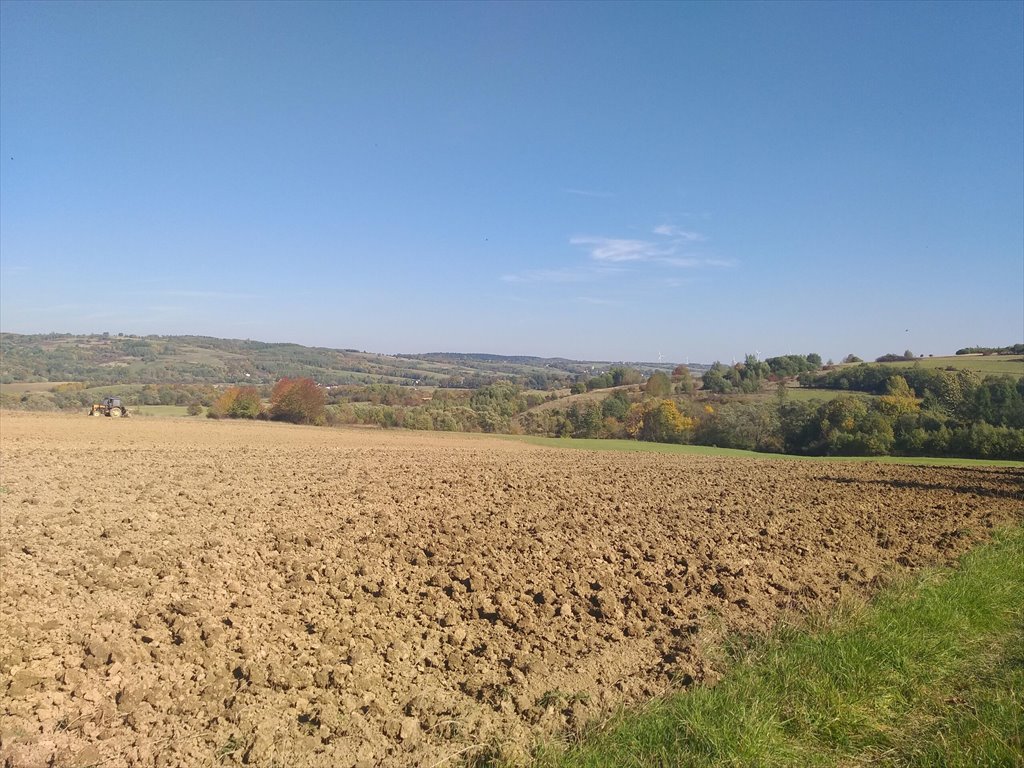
<point>601,181</point>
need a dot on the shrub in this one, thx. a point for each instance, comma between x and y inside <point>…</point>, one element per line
<point>299,401</point>
<point>237,403</point>
<point>659,385</point>
<point>615,405</point>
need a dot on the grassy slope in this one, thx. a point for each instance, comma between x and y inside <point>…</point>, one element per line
<point>930,674</point>
<point>702,450</point>
<point>983,364</point>
<point>567,400</point>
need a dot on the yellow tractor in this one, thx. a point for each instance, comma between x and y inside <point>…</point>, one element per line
<point>111,406</point>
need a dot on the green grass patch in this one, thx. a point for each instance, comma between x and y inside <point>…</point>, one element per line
<point>704,450</point>
<point>161,411</point>
<point>929,674</point>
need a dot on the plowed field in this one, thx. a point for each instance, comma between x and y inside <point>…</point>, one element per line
<point>198,593</point>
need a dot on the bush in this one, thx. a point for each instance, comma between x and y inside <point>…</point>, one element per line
<point>750,426</point>
<point>237,403</point>
<point>445,422</point>
<point>658,421</point>
<point>418,418</point>
<point>299,401</point>
<point>659,385</point>
<point>852,428</point>
<point>615,405</point>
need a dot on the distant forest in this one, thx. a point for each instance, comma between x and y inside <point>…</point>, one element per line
<point>106,359</point>
<point>865,409</point>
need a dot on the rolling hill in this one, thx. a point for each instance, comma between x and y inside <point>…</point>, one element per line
<point>108,359</point>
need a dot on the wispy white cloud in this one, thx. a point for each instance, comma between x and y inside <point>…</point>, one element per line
<point>618,249</point>
<point>548,276</point>
<point>685,235</point>
<point>587,192</point>
<point>673,251</point>
<point>610,256</point>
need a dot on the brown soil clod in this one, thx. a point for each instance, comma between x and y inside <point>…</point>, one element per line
<point>245,593</point>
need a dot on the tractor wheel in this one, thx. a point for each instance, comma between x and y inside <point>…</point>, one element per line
<point>94,412</point>
<point>115,412</point>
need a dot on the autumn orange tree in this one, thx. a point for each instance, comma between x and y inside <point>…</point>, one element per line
<point>300,401</point>
<point>237,403</point>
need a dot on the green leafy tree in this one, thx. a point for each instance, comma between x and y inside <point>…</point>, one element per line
<point>999,400</point>
<point>850,427</point>
<point>754,370</point>
<point>615,405</point>
<point>800,428</point>
<point>658,385</point>
<point>502,398</point>
<point>417,418</point>
<point>586,419</point>
<point>445,422</point>
<point>622,375</point>
<point>956,391</point>
<point>715,380</point>
<point>683,380</point>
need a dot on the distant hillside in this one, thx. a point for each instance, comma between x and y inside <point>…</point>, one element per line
<point>108,359</point>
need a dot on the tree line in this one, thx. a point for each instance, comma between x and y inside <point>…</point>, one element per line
<point>298,401</point>
<point>880,410</point>
<point>1013,349</point>
<point>938,413</point>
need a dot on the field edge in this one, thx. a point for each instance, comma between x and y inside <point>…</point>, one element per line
<point>946,645</point>
<point>637,446</point>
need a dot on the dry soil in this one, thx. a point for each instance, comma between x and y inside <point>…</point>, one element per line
<point>194,593</point>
